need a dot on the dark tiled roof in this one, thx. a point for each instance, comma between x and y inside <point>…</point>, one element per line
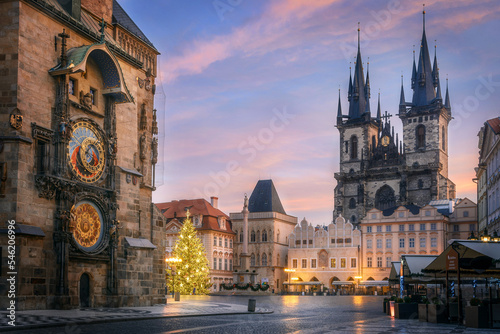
<point>121,17</point>
<point>445,212</point>
<point>494,123</point>
<point>412,208</point>
<point>265,198</point>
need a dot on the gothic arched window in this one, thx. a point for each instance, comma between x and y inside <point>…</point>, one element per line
<point>252,260</point>
<point>420,135</point>
<point>252,236</point>
<point>241,236</point>
<point>264,236</point>
<point>354,147</point>
<point>352,203</point>
<point>384,198</point>
<point>443,139</point>
<point>374,142</point>
<point>264,259</point>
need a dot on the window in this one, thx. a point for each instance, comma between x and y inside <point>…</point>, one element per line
<point>352,203</point>
<point>379,228</point>
<point>231,243</point>
<point>258,260</point>
<point>427,213</point>
<point>225,242</point>
<point>412,242</point>
<point>433,226</point>
<point>333,241</point>
<point>304,263</point>
<point>220,242</point>
<point>401,228</point>
<point>466,213</point>
<point>369,243</point>
<point>385,198</point>
<point>215,263</point>
<point>422,227</point>
<point>401,214</point>
<point>93,93</point>
<point>379,243</point>
<point>215,241</point>
<point>343,262</point>
<point>420,186</point>
<point>368,229</point>
<point>443,138</point>
<point>388,243</point>
<point>388,261</point>
<point>420,135</point>
<point>264,236</point>
<point>353,262</point>
<point>369,262</point>
<point>297,242</point>
<point>72,86</point>
<point>304,242</point>
<point>379,261</point>
<point>333,263</point>
<point>456,228</point>
<point>264,259</point>
<point>374,216</point>
<point>310,242</point>
<point>42,156</point>
<point>472,227</point>
<point>220,264</point>
<point>252,237</point>
<point>411,227</point>
<point>241,236</point>
<point>252,260</point>
<point>231,264</point>
<point>294,263</point>
<point>225,264</point>
<point>401,243</point>
<point>434,242</point>
<point>313,263</point>
<point>388,228</point>
<point>423,242</point>
<point>354,147</point>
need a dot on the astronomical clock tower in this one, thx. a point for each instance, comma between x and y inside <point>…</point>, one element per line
<point>79,156</point>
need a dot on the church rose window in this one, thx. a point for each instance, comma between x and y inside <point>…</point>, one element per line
<point>384,198</point>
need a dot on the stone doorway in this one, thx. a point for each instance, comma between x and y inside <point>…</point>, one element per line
<point>85,290</point>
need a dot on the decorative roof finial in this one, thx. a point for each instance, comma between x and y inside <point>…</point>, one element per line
<point>64,57</point>
<point>358,36</point>
<point>103,29</point>
<point>423,14</point>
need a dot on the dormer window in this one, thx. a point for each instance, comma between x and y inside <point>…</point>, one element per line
<point>222,223</point>
<point>197,220</point>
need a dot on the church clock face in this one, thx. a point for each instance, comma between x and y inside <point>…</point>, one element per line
<point>86,152</point>
<point>87,225</point>
<point>385,140</point>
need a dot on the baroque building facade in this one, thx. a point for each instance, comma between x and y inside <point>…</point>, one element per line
<point>78,146</point>
<point>213,228</point>
<point>376,169</point>
<point>263,251</point>
<point>488,177</point>
<point>324,256</point>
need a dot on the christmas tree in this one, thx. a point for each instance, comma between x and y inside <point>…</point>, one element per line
<point>193,271</point>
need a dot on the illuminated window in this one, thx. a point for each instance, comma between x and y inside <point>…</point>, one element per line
<point>343,262</point>
<point>333,263</point>
<point>353,262</point>
<point>304,263</point>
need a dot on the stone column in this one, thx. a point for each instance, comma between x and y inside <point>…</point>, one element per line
<point>244,254</point>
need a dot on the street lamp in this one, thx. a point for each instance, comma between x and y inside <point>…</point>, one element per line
<point>287,270</point>
<point>172,263</point>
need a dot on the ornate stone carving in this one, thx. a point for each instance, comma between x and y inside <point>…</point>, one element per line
<point>154,149</point>
<point>143,124</point>
<point>39,132</point>
<point>142,153</point>
<point>16,119</point>
<point>154,127</point>
<point>46,187</point>
<point>86,100</point>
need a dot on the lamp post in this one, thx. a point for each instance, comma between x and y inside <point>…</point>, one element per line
<point>172,263</point>
<point>287,270</point>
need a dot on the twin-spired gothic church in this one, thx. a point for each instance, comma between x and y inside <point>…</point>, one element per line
<point>376,169</point>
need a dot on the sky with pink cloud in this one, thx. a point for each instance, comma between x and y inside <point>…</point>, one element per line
<point>248,90</point>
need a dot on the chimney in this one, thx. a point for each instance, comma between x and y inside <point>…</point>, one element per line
<point>214,201</point>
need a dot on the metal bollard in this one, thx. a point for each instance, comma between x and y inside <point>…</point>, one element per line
<point>251,305</point>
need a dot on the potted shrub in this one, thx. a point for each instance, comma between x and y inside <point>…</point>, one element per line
<point>422,309</point>
<point>437,311</point>
<point>405,308</point>
<point>476,315</point>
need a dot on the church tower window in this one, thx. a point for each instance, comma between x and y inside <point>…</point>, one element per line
<point>443,139</point>
<point>352,203</point>
<point>354,147</point>
<point>420,136</point>
<point>384,198</point>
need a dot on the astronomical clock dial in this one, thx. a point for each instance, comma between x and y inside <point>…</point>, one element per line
<point>87,225</point>
<point>86,152</point>
<point>385,140</point>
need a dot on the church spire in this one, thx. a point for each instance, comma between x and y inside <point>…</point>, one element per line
<point>358,102</point>
<point>447,98</point>
<point>379,113</point>
<point>414,71</point>
<point>367,87</point>
<point>339,112</point>
<point>349,92</point>
<point>423,92</point>
<point>435,69</point>
<point>402,102</point>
